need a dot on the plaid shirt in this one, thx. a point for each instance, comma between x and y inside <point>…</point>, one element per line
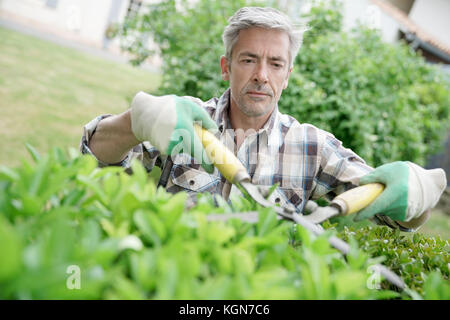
<point>307,162</point>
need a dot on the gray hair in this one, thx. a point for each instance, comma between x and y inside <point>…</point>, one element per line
<point>267,18</point>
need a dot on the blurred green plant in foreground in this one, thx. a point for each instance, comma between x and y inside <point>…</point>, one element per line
<point>129,240</point>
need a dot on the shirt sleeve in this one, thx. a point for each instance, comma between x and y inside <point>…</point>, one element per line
<point>147,154</point>
<point>340,169</point>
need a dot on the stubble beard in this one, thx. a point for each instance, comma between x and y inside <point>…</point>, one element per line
<point>255,108</point>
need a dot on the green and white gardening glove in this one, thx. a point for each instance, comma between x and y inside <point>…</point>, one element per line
<point>409,191</point>
<point>167,122</point>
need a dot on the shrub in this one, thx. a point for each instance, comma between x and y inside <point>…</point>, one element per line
<point>130,240</point>
<point>414,257</point>
<point>383,101</point>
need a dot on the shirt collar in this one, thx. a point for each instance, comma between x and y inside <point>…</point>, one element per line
<point>223,121</point>
<point>221,115</point>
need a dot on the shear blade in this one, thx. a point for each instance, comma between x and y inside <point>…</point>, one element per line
<point>253,192</point>
<point>321,214</point>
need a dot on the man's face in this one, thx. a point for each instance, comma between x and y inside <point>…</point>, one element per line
<point>259,70</point>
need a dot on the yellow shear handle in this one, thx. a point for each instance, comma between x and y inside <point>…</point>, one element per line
<point>358,198</point>
<point>222,158</point>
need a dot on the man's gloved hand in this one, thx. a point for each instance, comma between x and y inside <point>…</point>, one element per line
<point>409,190</point>
<point>167,122</point>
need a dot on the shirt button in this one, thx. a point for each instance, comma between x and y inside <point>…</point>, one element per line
<point>191,182</point>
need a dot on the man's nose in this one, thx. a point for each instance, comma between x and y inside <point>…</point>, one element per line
<point>261,75</point>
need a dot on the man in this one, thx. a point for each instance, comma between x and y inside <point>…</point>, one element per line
<point>308,163</point>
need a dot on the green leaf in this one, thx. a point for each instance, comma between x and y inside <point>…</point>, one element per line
<point>33,152</point>
<point>125,289</point>
<point>139,173</point>
<point>436,288</point>
<point>10,251</point>
<point>170,212</point>
<point>8,174</point>
<point>151,226</point>
<point>271,190</point>
<point>243,263</point>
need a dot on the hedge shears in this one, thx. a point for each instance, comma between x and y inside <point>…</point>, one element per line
<point>349,202</point>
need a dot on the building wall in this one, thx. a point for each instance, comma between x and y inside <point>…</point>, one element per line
<point>363,11</point>
<point>433,17</point>
<point>84,19</point>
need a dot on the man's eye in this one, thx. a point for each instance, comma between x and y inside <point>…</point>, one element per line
<point>247,60</point>
<point>277,65</point>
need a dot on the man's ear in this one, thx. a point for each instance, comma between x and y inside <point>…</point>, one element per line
<point>286,81</point>
<point>225,68</point>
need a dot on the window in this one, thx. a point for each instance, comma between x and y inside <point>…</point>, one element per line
<point>51,3</point>
<point>133,8</point>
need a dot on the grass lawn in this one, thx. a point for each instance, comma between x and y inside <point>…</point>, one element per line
<point>438,225</point>
<point>48,92</point>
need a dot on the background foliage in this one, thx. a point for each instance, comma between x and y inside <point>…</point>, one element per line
<point>381,100</point>
<point>189,39</point>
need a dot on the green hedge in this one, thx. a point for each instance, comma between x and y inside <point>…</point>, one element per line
<point>413,256</point>
<point>129,240</point>
<point>381,100</point>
